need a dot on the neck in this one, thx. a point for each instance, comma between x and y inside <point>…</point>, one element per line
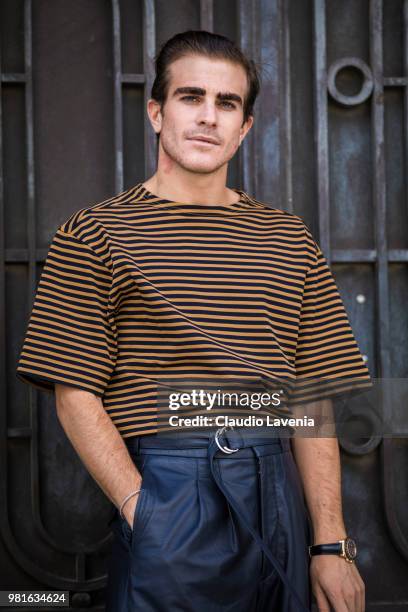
<point>199,189</point>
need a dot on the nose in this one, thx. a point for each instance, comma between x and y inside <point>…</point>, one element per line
<point>207,114</point>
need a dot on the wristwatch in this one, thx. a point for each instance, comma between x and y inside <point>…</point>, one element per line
<point>346,548</point>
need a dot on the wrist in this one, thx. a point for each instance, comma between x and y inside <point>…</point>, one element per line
<point>129,509</point>
<point>345,548</point>
<point>124,506</point>
<point>322,536</point>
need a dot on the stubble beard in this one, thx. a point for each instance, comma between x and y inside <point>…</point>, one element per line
<point>176,157</point>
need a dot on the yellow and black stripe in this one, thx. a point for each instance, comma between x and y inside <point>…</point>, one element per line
<point>139,290</point>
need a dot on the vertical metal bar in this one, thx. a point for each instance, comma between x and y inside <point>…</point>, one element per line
<point>321,126</point>
<point>32,263</point>
<point>29,126</point>
<point>405,68</point>
<point>270,126</point>
<point>390,491</point>
<point>247,152</point>
<point>286,137</point>
<point>31,235</point>
<point>255,54</point>
<point>117,96</point>
<point>31,216</point>
<point>207,15</point>
<point>379,184</point>
<point>149,50</point>
<point>3,364</point>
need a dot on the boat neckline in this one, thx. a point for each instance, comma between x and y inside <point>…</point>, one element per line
<point>245,202</point>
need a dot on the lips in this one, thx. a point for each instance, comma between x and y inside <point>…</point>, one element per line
<point>206,139</point>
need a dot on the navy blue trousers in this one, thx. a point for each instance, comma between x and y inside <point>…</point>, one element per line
<point>213,531</point>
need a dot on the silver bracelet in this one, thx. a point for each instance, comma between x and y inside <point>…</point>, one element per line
<point>125,500</point>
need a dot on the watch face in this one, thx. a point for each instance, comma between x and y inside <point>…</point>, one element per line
<point>350,548</point>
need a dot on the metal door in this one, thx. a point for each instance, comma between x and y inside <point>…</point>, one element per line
<point>329,142</point>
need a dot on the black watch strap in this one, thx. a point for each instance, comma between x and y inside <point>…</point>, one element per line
<point>334,548</point>
<point>345,548</point>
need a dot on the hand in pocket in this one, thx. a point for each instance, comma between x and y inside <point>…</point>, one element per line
<point>130,509</point>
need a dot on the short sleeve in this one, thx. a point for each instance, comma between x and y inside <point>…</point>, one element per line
<point>328,360</point>
<point>71,335</point>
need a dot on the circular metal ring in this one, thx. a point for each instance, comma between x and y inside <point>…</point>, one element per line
<point>372,438</point>
<point>225,449</point>
<point>366,88</point>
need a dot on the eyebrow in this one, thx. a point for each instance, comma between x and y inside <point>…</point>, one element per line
<point>198,91</point>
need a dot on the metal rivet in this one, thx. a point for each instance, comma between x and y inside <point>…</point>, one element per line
<point>361,298</point>
<point>365,358</point>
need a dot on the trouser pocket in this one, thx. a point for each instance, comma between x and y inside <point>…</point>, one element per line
<point>143,507</point>
<point>285,530</point>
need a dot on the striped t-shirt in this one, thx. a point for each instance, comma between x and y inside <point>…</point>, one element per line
<point>139,289</point>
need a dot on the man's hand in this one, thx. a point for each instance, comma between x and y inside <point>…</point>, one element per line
<point>336,583</point>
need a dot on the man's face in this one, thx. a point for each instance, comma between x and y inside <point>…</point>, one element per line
<point>210,105</point>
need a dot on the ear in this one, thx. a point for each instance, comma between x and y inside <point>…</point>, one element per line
<point>245,128</point>
<point>155,115</point>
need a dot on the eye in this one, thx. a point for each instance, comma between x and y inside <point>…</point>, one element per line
<point>230,105</point>
<point>189,98</point>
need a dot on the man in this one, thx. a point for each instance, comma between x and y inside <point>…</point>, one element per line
<point>181,276</point>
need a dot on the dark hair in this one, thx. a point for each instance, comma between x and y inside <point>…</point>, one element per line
<point>201,42</point>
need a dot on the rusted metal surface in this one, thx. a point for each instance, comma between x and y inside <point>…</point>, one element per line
<point>320,147</point>
<point>321,123</point>
<point>117,96</point>
<point>207,15</point>
<point>149,52</point>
